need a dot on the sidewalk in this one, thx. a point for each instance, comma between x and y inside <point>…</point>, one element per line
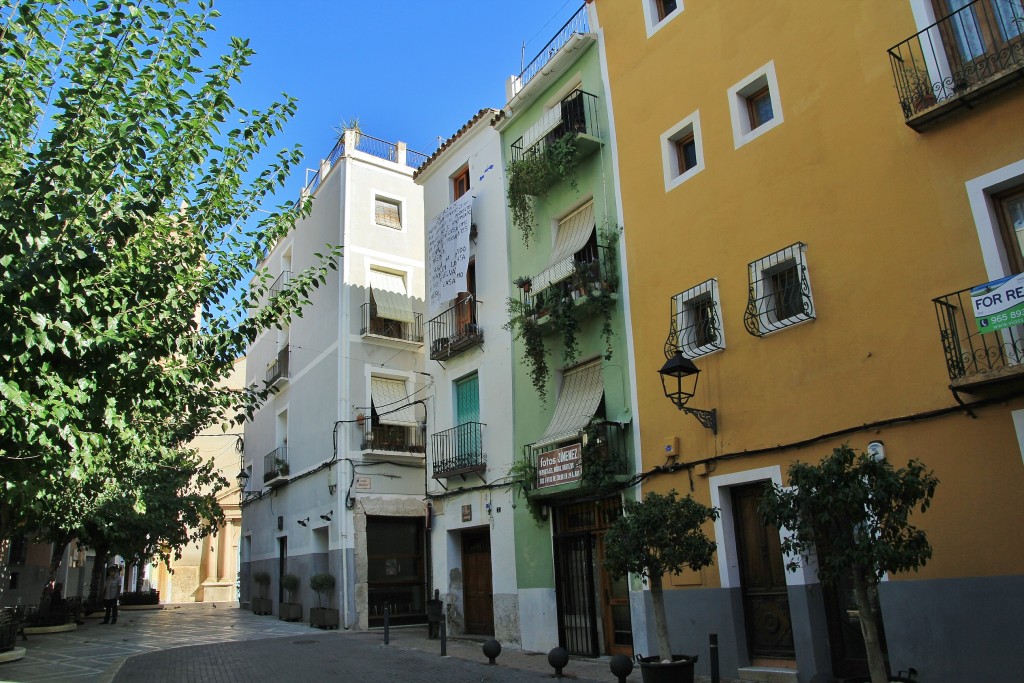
<point>198,642</point>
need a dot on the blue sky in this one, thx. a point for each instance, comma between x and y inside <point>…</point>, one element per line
<point>410,70</point>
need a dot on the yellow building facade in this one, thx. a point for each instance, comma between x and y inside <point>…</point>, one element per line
<point>809,190</point>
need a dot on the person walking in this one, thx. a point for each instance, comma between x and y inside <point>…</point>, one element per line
<point>111,588</point>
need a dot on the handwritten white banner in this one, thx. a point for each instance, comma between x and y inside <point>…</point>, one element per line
<point>448,252</point>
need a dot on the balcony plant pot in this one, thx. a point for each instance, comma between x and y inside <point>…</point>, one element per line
<point>679,670</point>
<point>323,617</point>
<point>290,611</point>
<point>262,606</point>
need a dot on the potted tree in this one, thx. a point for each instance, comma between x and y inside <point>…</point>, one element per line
<point>291,610</point>
<point>262,604</point>
<point>320,616</point>
<point>661,535</point>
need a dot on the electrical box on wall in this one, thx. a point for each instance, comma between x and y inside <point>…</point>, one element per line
<point>671,446</point>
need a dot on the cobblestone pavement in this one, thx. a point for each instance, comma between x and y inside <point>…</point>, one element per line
<point>198,643</point>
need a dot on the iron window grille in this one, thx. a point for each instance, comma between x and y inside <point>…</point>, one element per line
<point>779,291</point>
<point>695,329</point>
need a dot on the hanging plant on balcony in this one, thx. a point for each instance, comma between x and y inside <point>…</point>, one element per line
<point>522,323</point>
<point>599,461</point>
<point>532,175</point>
<point>563,316</point>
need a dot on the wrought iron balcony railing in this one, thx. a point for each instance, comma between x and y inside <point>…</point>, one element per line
<point>957,60</point>
<point>455,330</point>
<point>579,278</point>
<point>458,451</point>
<point>386,438</point>
<point>577,113</point>
<point>695,328</point>
<point>275,467</point>
<point>779,293</point>
<point>578,23</point>
<point>604,455</point>
<point>374,325</point>
<point>370,145</point>
<point>974,357</point>
<point>277,370</point>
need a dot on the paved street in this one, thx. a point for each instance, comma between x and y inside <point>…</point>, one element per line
<point>200,643</point>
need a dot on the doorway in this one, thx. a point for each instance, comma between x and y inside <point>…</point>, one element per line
<point>762,579</point>
<point>477,587</point>
<point>282,566</point>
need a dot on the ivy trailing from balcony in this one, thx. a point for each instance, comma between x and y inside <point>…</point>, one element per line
<point>532,175</point>
<point>523,476</point>
<point>600,462</point>
<point>523,324</point>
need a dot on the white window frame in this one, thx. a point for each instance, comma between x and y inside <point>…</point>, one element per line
<point>389,199</point>
<point>651,20</point>
<point>741,130</point>
<point>761,281</point>
<point>707,290</point>
<point>986,219</point>
<point>670,152</point>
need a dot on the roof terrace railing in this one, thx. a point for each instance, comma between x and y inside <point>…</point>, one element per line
<point>578,23</point>
<point>361,142</point>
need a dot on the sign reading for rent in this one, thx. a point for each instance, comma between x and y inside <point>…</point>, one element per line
<point>559,466</point>
<point>999,304</point>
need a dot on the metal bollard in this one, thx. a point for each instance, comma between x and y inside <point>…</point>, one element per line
<point>387,626</point>
<point>714,658</point>
<point>444,637</point>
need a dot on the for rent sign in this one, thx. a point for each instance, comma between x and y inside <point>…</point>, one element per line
<point>999,304</point>
<point>559,466</point>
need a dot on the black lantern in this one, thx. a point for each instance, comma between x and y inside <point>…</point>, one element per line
<point>242,479</point>
<point>679,380</point>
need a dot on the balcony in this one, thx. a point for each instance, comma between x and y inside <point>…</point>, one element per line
<point>377,326</point>
<point>596,458</point>
<point>359,141</point>
<point>458,451</point>
<point>392,439</point>
<point>579,277</point>
<point>579,23</point>
<point>455,330</point>
<point>976,359</point>
<point>275,467</point>
<point>578,113</point>
<point>277,369</point>
<point>957,61</point>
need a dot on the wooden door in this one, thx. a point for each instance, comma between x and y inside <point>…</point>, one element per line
<point>980,36</point>
<point>763,578</point>
<point>477,589</point>
<point>618,626</point>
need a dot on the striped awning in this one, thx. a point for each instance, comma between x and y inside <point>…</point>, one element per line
<point>390,296</point>
<point>390,400</point>
<point>573,233</point>
<point>551,118</point>
<point>582,390</point>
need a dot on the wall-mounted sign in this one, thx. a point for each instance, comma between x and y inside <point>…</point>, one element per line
<point>363,484</point>
<point>448,251</point>
<point>999,304</point>
<point>559,466</point>
<point>467,513</point>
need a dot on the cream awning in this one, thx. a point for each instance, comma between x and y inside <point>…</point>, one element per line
<point>391,297</point>
<point>582,390</point>
<point>390,400</point>
<point>573,232</point>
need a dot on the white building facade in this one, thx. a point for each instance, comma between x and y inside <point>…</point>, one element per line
<point>469,359</point>
<point>336,456</point>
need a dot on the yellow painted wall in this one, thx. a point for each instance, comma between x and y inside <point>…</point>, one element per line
<point>884,214</point>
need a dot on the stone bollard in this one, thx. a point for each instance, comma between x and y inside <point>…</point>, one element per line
<point>387,626</point>
<point>621,666</point>
<point>492,648</point>
<point>558,658</point>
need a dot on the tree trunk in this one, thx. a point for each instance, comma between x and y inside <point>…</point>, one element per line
<point>660,620</point>
<point>868,627</point>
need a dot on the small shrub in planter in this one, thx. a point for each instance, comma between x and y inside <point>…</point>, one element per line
<point>291,610</point>
<point>320,616</point>
<point>262,604</point>
<point>150,597</point>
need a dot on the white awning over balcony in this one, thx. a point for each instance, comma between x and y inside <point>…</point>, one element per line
<point>573,233</point>
<point>551,118</point>
<point>390,399</point>
<point>578,401</point>
<point>390,296</point>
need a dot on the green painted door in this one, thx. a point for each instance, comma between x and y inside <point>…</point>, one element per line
<point>468,446</point>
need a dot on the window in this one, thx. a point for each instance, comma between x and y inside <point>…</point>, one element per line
<point>682,155</point>
<point>460,183</point>
<point>754,105</point>
<point>17,550</point>
<point>658,12</point>
<point>388,212</point>
<point>696,327</point>
<point>780,291</point>
<point>1010,207</point>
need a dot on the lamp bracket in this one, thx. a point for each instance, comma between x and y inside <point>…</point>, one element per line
<point>708,418</point>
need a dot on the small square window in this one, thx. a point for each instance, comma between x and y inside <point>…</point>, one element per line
<point>697,321</point>
<point>754,105</point>
<point>665,8</point>
<point>460,183</point>
<point>780,291</point>
<point>388,212</point>
<point>657,13</point>
<point>682,156</point>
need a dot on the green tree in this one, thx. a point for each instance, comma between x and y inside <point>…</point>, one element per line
<point>853,513</point>
<point>128,227</point>
<point>661,535</point>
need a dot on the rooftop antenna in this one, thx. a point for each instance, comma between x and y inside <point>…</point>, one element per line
<point>522,58</point>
